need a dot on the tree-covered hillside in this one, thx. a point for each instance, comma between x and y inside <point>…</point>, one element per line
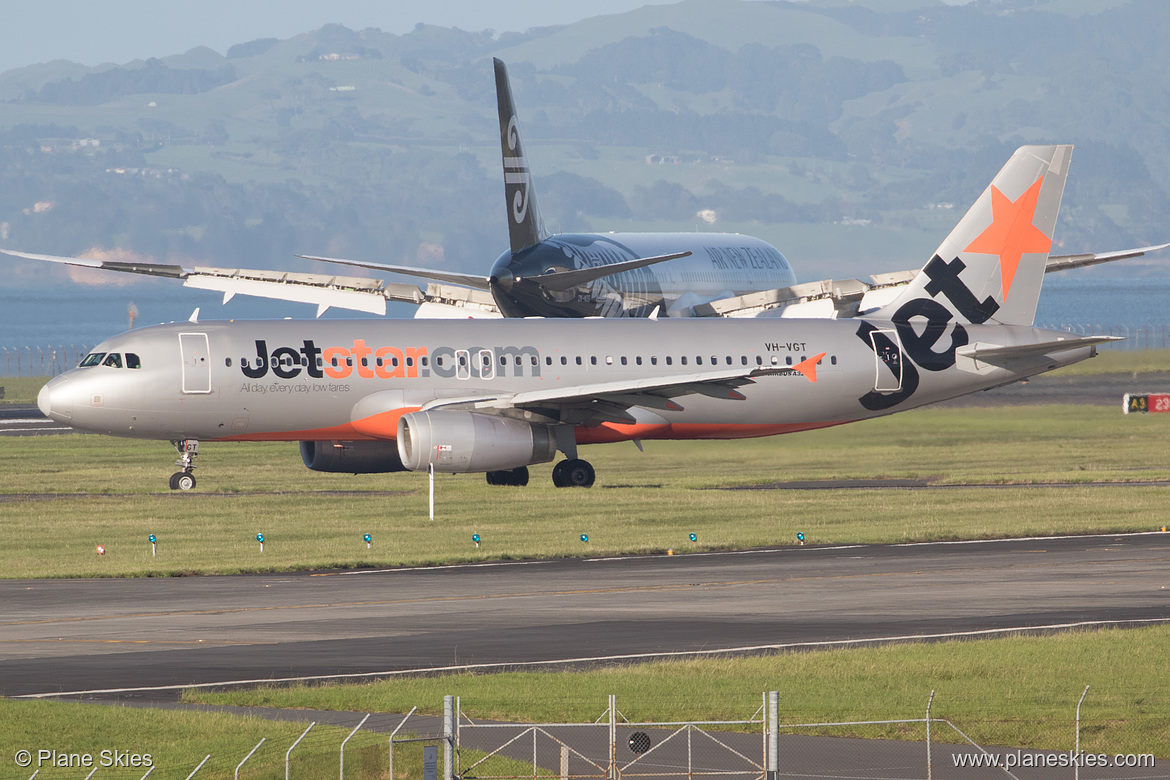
<point>849,134</point>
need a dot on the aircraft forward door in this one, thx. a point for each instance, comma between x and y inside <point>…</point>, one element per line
<point>887,351</point>
<point>196,362</point>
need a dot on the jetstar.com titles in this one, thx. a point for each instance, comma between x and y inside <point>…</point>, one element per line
<point>388,362</point>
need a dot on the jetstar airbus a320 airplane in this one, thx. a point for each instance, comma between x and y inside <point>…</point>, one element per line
<point>497,396</point>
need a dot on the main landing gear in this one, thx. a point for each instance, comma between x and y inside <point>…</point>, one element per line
<point>573,472</point>
<point>188,449</point>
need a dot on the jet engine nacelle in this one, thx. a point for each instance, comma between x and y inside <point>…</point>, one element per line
<point>458,442</point>
<point>351,457</point>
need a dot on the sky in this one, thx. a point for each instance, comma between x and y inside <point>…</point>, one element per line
<point>119,31</point>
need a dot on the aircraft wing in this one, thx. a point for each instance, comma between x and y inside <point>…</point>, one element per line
<point>842,298</point>
<point>324,290</point>
<point>609,401</point>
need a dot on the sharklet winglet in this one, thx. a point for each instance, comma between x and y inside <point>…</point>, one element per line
<point>808,367</point>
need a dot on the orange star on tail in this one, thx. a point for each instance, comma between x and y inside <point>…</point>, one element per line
<point>1011,233</point>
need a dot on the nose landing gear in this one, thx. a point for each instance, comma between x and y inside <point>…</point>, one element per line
<point>188,450</point>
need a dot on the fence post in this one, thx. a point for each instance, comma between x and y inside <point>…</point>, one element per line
<point>448,737</point>
<point>290,750</point>
<point>258,744</point>
<point>1077,744</point>
<point>196,769</point>
<point>612,737</point>
<point>929,702</point>
<point>393,734</point>
<point>773,763</point>
<point>347,739</point>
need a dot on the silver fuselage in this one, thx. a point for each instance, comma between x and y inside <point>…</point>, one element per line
<point>289,380</point>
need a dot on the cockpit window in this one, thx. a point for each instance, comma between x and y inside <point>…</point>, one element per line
<point>132,361</point>
<point>113,360</point>
<point>92,359</point>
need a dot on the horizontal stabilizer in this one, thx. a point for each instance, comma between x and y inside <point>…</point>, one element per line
<point>998,354</point>
<point>1065,262</point>
<point>564,280</point>
<point>471,280</point>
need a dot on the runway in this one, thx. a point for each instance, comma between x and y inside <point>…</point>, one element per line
<point>27,420</point>
<point>140,637</point>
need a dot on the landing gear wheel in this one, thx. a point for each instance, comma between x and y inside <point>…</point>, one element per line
<point>188,450</point>
<point>182,481</point>
<point>574,473</point>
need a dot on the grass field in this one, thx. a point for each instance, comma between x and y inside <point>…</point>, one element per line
<point>176,742</point>
<point>61,496</point>
<point>1016,691</point>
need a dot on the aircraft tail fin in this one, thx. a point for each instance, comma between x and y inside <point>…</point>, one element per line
<point>991,266</point>
<point>525,227</point>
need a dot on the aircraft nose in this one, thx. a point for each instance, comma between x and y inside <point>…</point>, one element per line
<point>52,401</point>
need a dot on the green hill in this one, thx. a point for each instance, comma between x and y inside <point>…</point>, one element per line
<point>846,132</point>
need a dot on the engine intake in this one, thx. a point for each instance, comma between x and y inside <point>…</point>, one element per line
<point>459,442</point>
<point>351,457</point>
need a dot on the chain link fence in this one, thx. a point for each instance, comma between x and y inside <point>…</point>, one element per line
<point>44,360</point>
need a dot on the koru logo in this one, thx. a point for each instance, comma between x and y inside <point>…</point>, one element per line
<point>918,343</point>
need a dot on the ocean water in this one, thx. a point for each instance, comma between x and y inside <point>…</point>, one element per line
<point>71,317</point>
